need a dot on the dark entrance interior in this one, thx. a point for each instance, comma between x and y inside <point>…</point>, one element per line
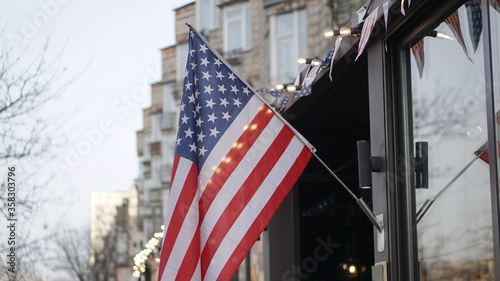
<point>335,239</point>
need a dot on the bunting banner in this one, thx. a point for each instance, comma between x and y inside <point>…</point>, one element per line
<point>418,53</point>
<point>453,22</point>
<point>475,20</point>
<point>273,92</point>
<point>367,31</point>
<point>235,161</point>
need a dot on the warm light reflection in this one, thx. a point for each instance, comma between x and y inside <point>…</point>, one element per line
<point>352,269</point>
<point>302,60</point>
<point>328,33</point>
<point>444,36</point>
<point>291,88</point>
<point>253,127</point>
<point>345,31</point>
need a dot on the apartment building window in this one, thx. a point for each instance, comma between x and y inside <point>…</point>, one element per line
<point>288,43</point>
<point>182,50</point>
<point>238,28</point>
<point>208,14</point>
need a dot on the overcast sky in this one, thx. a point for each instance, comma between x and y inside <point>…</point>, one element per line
<point>113,49</point>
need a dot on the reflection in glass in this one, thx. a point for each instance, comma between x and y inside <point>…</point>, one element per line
<point>448,110</point>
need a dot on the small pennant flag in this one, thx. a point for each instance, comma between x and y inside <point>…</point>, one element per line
<point>418,53</point>
<point>403,6</point>
<point>453,22</point>
<point>475,20</point>
<point>327,60</point>
<point>367,31</point>
<point>386,13</point>
<point>495,4</point>
<point>311,75</point>
<point>305,91</point>
<point>337,47</point>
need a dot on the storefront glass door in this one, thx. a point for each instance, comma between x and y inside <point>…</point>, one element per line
<point>448,119</point>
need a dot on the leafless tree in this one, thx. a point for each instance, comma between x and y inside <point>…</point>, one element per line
<point>28,135</point>
<point>71,250</point>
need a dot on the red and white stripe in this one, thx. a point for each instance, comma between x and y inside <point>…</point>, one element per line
<point>311,75</point>
<point>367,31</point>
<point>214,216</point>
<point>453,22</point>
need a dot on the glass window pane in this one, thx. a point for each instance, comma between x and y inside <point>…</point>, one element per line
<point>284,23</point>
<point>234,36</point>
<point>182,51</point>
<point>248,30</point>
<point>286,63</point>
<point>204,17</point>
<point>235,13</point>
<point>303,34</point>
<point>448,101</point>
<point>216,15</point>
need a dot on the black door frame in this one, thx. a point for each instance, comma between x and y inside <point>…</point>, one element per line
<point>393,196</point>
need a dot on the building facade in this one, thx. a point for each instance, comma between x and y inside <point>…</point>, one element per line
<point>112,234</point>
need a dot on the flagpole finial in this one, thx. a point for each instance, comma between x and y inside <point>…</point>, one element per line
<point>188,24</point>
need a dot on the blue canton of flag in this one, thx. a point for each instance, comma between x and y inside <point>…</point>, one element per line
<point>475,21</point>
<point>327,60</point>
<point>212,98</point>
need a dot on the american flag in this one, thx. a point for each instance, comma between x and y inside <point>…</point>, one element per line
<point>453,22</point>
<point>235,161</point>
<point>367,31</point>
<point>475,20</point>
<point>418,53</point>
